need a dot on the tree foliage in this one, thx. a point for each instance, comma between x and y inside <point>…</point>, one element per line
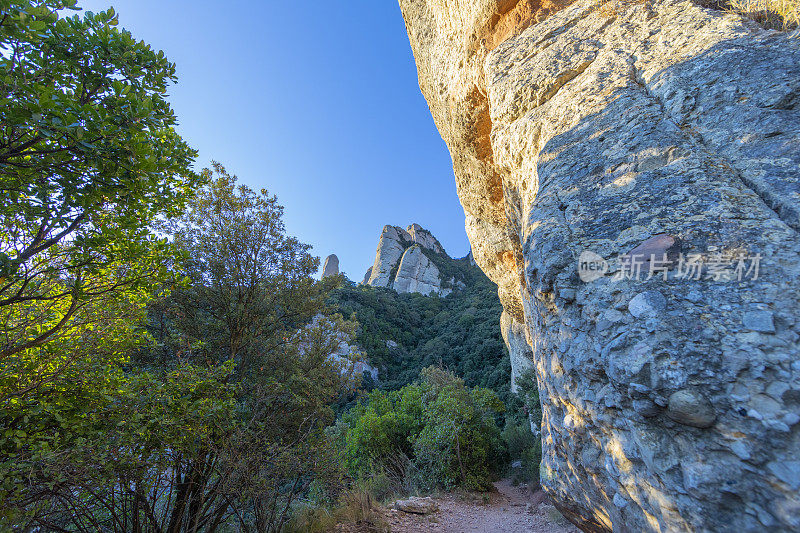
<point>459,332</point>
<point>89,158</point>
<point>229,433</point>
<point>251,283</point>
<point>446,430</point>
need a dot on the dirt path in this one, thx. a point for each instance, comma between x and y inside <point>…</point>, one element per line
<point>509,510</point>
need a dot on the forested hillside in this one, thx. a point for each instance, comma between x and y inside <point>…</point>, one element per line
<point>403,333</point>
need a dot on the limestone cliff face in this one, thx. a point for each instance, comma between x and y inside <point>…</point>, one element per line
<point>391,246</point>
<point>417,273</point>
<point>518,348</point>
<point>471,259</point>
<point>424,238</point>
<point>331,266</point>
<point>401,264</point>
<point>670,403</point>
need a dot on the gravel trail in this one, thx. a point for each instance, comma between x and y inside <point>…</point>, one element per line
<point>508,510</point>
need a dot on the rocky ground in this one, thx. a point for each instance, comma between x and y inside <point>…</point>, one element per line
<point>508,510</point>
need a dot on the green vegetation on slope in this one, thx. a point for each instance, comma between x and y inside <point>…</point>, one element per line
<point>460,333</point>
<point>413,338</point>
<point>434,433</point>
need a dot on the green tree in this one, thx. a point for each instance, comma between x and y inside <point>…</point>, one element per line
<point>251,283</point>
<point>89,159</point>
<point>249,303</point>
<point>229,437</point>
<point>460,442</point>
<point>114,452</point>
<point>379,430</point>
<point>438,431</point>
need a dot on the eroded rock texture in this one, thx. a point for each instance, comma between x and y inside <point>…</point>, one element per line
<point>401,264</point>
<point>331,266</point>
<point>392,243</point>
<point>670,403</point>
<point>417,273</point>
<point>424,238</point>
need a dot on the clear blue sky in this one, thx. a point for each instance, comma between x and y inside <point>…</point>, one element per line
<point>318,102</point>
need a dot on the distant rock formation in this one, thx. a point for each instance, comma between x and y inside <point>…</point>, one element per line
<point>424,238</point>
<point>331,266</point>
<point>391,245</point>
<point>347,354</point>
<point>344,355</point>
<point>401,262</point>
<point>471,258</point>
<point>671,400</point>
<point>418,274</point>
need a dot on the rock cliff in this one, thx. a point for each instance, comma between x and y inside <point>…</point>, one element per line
<point>628,172</point>
<point>331,266</point>
<point>391,246</point>
<point>402,264</point>
<point>424,238</point>
<point>417,273</point>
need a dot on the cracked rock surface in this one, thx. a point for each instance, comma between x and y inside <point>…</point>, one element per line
<point>401,264</point>
<point>671,402</point>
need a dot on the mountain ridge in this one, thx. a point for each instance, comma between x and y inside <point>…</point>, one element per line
<point>412,260</point>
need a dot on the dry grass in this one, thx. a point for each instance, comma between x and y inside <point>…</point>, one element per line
<point>356,512</point>
<point>776,14</point>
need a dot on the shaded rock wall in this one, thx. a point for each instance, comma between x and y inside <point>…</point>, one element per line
<point>670,403</point>
<point>518,348</point>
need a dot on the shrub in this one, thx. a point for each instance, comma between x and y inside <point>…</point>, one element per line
<point>378,431</point>
<point>518,438</point>
<point>356,507</point>
<point>430,434</point>
<point>459,443</point>
<point>521,442</point>
<point>531,459</point>
<point>522,445</point>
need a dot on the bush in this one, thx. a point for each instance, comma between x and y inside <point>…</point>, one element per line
<point>356,507</point>
<point>531,459</point>
<point>521,442</point>
<point>517,438</point>
<point>522,445</point>
<point>435,433</point>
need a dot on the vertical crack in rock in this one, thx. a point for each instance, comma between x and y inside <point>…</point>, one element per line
<point>785,207</point>
<point>669,404</point>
